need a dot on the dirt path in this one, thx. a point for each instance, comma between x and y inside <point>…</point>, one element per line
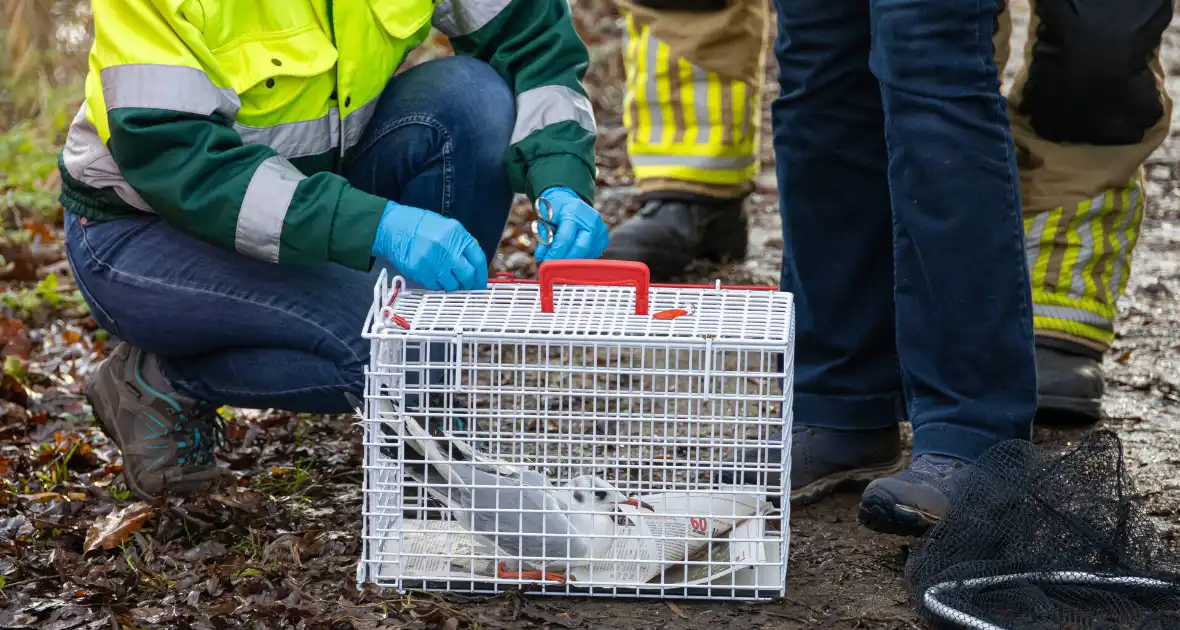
<point>280,550</point>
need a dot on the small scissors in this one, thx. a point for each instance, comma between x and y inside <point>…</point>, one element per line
<point>545,217</point>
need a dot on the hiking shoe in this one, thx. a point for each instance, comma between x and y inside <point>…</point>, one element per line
<point>1069,383</point>
<point>826,460</point>
<point>667,235</point>
<point>912,501</point>
<point>167,439</point>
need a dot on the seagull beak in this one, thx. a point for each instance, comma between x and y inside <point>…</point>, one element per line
<point>639,504</point>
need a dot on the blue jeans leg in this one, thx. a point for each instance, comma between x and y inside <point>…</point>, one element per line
<point>902,222</point>
<point>234,330</point>
<point>829,142</point>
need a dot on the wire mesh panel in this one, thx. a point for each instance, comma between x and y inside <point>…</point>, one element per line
<point>576,436</point>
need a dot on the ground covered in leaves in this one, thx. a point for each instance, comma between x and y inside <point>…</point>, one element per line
<point>279,549</point>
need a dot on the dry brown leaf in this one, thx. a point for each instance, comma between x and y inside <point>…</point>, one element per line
<point>246,501</point>
<point>676,609</point>
<point>43,497</point>
<point>14,339</point>
<point>71,336</point>
<point>113,529</point>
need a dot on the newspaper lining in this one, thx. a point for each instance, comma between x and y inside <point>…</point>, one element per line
<point>692,538</point>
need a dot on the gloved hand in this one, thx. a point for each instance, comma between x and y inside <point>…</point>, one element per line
<point>430,249</point>
<point>581,232</point>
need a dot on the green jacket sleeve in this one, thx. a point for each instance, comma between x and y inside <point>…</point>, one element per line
<point>196,174</point>
<point>533,46</point>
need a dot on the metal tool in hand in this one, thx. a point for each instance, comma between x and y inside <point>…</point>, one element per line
<point>545,216</point>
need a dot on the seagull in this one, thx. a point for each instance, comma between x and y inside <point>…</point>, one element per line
<point>514,509</point>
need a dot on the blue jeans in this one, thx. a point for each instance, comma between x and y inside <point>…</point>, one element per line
<point>901,222</point>
<point>238,331</point>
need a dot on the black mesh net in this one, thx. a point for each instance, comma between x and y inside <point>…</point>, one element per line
<point>1039,540</point>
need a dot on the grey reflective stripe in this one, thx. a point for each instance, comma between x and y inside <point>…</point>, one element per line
<point>264,208</point>
<point>540,107</point>
<point>355,123</point>
<point>1085,232</point>
<point>296,139</point>
<point>694,161</point>
<point>1077,315</point>
<point>700,104</point>
<point>176,88</point>
<point>89,162</point>
<point>1032,240</point>
<point>456,18</point>
<point>1122,258</point>
<point>651,90</point>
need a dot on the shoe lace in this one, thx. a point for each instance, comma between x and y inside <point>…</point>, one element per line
<point>201,432</point>
<point>941,466</point>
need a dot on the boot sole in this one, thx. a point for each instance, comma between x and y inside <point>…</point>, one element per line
<point>846,481</point>
<point>895,519</point>
<point>730,246</point>
<point>1068,411</point>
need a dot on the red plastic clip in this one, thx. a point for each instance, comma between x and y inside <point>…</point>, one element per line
<point>673,313</point>
<point>388,310</point>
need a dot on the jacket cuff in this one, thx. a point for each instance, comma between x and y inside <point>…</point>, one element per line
<point>560,170</point>
<point>358,214</point>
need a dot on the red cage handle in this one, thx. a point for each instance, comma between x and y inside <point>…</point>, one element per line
<point>595,273</point>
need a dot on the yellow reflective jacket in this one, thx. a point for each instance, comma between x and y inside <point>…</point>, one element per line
<point>231,118</point>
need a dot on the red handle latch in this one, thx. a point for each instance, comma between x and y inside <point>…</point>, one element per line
<point>595,273</point>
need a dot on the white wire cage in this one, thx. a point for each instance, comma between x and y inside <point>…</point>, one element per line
<point>585,434</point>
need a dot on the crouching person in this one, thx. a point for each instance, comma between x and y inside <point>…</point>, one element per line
<point>239,174</point>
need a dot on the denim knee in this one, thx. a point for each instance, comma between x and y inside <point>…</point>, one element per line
<point>935,49</point>
<point>476,106</point>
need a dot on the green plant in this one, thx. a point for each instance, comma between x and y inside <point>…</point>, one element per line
<point>58,471</point>
<point>119,493</point>
<point>289,482</point>
<point>46,294</point>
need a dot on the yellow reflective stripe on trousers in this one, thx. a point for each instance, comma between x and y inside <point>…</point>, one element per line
<point>1078,258</point>
<point>175,88</point>
<point>683,122</point>
<point>456,18</point>
<point>1127,235</point>
<point>543,106</point>
<point>264,209</point>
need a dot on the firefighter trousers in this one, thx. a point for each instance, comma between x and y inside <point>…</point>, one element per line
<point>1086,110</point>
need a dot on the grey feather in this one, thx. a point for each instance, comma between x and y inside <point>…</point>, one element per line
<point>516,509</point>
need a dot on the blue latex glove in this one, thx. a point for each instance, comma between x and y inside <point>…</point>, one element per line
<point>430,249</point>
<point>581,232</point>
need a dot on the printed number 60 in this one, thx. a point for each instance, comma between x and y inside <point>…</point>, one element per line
<point>699,525</point>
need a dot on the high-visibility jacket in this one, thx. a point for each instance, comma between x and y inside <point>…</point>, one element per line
<point>230,119</point>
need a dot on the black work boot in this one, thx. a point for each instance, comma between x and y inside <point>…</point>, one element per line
<point>1069,383</point>
<point>823,461</point>
<point>167,439</point>
<point>668,234</point>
